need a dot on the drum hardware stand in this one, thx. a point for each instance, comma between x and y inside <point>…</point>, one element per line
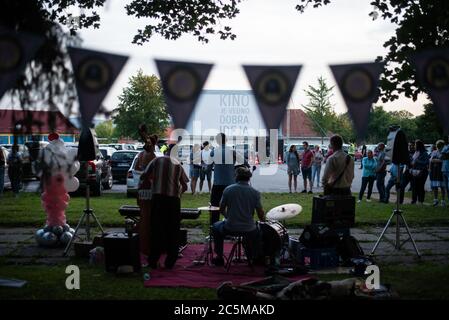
<point>87,212</point>
<point>398,214</point>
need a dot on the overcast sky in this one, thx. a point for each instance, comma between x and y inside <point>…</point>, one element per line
<point>268,32</point>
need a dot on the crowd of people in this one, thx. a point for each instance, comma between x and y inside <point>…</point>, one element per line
<point>14,163</point>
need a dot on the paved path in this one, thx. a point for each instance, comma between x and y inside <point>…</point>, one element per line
<point>17,245</point>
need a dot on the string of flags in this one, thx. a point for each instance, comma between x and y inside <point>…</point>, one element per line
<point>182,82</point>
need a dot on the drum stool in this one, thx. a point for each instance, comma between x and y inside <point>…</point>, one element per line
<point>236,252</point>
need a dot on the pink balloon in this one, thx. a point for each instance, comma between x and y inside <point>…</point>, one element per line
<point>55,200</point>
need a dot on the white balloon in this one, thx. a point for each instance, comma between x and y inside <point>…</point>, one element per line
<point>72,184</point>
<point>71,154</point>
<point>75,167</point>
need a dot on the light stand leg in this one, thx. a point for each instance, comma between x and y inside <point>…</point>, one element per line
<point>382,234</point>
<point>410,236</point>
<point>66,250</point>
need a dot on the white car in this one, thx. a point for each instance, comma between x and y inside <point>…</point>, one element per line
<point>133,177</point>
<point>107,152</point>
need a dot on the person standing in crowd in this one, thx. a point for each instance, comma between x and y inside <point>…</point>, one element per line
<point>419,172</point>
<point>339,171</point>
<point>206,166</point>
<point>238,204</point>
<point>393,181</point>
<point>224,159</point>
<point>316,166</point>
<point>407,176</point>
<point>195,166</point>
<point>369,164</point>
<point>2,170</point>
<point>436,174</point>
<point>169,181</point>
<point>364,154</point>
<point>15,169</point>
<point>144,189</point>
<point>381,171</point>
<point>292,160</point>
<point>306,166</point>
<point>445,164</point>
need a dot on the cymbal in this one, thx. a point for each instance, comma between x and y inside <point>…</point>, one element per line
<point>284,212</point>
<point>209,208</point>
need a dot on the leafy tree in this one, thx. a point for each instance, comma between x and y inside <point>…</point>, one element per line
<point>378,125</point>
<point>421,24</point>
<point>319,108</point>
<point>428,125</point>
<point>141,102</point>
<point>407,121</point>
<point>105,130</point>
<point>343,126</point>
<point>50,79</point>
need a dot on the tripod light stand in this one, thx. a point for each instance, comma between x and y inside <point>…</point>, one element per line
<point>399,155</point>
<point>87,150</point>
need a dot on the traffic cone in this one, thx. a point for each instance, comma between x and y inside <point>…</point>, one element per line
<point>257,161</point>
<point>280,160</point>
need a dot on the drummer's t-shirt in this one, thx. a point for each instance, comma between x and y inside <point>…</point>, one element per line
<point>241,200</point>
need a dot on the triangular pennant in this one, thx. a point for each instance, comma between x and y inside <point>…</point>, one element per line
<point>182,83</point>
<point>95,73</point>
<point>16,50</point>
<point>272,87</point>
<point>432,68</point>
<point>358,83</point>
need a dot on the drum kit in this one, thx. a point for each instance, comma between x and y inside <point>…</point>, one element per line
<point>273,233</point>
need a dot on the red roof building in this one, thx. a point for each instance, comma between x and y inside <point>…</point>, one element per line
<point>34,125</point>
<point>298,126</point>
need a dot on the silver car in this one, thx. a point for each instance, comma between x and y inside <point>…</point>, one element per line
<point>133,177</point>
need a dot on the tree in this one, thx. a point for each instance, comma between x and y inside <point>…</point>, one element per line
<point>378,125</point>
<point>49,78</point>
<point>428,124</point>
<point>421,24</point>
<point>319,108</point>
<point>343,126</point>
<point>105,130</point>
<point>141,102</point>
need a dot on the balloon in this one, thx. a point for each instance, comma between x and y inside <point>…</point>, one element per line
<point>66,227</point>
<point>49,239</point>
<point>72,153</point>
<point>58,230</point>
<point>75,167</point>
<point>38,235</point>
<point>65,238</point>
<point>72,231</point>
<point>72,184</point>
<point>47,228</point>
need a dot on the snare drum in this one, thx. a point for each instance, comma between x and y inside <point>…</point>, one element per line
<point>274,237</point>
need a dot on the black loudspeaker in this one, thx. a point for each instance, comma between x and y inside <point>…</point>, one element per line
<point>334,211</point>
<point>88,145</point>
<point>397,146</point>
<point>319,236</point>
<point>120,250</point>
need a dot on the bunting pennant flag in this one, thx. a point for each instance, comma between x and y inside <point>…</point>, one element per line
<point>182,83</point>
<point>358,83</point>
<point>95,73</point>
<point>16,50</point>
<point>272,87</point>
<point>432,68</point>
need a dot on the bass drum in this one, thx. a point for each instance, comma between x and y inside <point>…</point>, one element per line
<point>274,237</point>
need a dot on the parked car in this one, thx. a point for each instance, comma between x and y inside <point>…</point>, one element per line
<point>122,146</point>
<point>99,175</point>
<point>107,152</point>
<point>121,161</point>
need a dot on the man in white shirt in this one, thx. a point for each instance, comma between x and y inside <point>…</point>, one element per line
<point>206,166</point>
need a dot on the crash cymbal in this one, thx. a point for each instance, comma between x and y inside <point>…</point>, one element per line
<point>284,212</point>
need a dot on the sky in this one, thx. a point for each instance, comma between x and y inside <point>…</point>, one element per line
<point>268,32</point>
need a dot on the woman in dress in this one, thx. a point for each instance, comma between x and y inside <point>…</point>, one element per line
<point>292,160</point>
<point>436,175</point>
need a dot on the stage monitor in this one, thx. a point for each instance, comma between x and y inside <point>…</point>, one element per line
<point>397,146</point>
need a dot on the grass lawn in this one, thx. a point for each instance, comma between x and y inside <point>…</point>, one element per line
<point>422,281</point>
<point>27,210</point>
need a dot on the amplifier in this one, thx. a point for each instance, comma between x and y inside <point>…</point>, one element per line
<point>121,249</point>
<point>319,236</point>
<point>334,211</point>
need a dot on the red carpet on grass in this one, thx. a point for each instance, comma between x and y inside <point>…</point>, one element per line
<point>186,274</point>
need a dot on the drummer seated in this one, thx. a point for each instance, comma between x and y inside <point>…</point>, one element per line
<point>238,203</point>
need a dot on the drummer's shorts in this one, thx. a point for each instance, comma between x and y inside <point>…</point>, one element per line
<point>306,173</point>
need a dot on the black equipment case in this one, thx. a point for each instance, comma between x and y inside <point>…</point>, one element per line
<point>121,249</point>
<point>334,211</point>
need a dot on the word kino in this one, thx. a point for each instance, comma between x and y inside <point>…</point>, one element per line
<point>234,100</point>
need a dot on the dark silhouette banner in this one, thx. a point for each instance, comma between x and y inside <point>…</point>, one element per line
<point>432,69</point>
<point>95,73</point>
<point>182,83</point>
<point>358,83</point>
<point>16,50</point>
<point>272,87</point>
